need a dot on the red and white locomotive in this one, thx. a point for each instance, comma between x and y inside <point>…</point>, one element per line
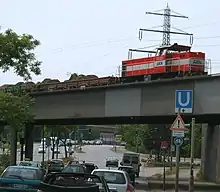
<point>169,62</point>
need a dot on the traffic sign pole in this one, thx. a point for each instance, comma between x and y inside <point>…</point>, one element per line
<point>178,142</point>
<point>171,151</point>
<point>177,163</point>
<point>177,168</point>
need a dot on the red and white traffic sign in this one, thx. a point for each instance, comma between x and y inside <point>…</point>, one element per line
<point>178,124</point>
<point>164,145</point>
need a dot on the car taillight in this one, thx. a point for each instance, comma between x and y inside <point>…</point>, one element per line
<point>128,188</point>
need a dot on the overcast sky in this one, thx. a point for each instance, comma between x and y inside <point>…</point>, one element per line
<point>93,37</point>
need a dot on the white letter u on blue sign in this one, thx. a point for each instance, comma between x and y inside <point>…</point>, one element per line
<point>185,103</point>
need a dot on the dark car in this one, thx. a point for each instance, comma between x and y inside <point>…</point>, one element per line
<point>55,165</point>
<point>77,182</point>
<point>21,178</point>
<point>89,167</point>
<point>74,168</point>
<point>112,162</point>
<point>131,172</point>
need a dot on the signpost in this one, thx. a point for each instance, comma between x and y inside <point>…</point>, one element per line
<point>184,101</point>
<point>183,104</point>
<point>118,138</point>
<point>178,132</point>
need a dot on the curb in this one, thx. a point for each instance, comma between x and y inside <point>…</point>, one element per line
<point>183,185</point>
<point>169,179</point>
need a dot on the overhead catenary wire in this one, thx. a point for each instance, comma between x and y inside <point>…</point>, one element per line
<point>87,45</point>
<point>113,40</point>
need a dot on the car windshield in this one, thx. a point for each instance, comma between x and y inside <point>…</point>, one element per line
<point>111,177</point>
<point>74,169</point>
<point>127,169</point>
<point>23,173</point>
<point>26,163</point>
<point>135,160</point>
<point>126,159</point>
<point>56,163</point>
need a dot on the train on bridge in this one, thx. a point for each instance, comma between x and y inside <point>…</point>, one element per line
<point>174,61</point>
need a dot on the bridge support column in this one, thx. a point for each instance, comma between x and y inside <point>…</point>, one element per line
<point>210,156</point>
<point>29,141</point>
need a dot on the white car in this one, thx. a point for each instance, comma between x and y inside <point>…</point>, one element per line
<point>116,179</point>
<point>40,149</point>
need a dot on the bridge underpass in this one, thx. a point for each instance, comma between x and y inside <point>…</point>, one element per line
<point>150,103</point>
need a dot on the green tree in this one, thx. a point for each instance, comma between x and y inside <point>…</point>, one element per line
<point>17,54</point>
<point>134,135</point>
<point>185,150</point>
<point>75,76</point>
<point>61,132</point>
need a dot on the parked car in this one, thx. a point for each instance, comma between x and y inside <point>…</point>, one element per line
<point>112,162</point>
<point>41,149</point>
<point>21,178</point>
<point>116,179</point>
<point>77,182</point>
<point>55,165</point>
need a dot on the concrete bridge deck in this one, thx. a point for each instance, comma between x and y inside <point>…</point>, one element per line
<point>145,99</point>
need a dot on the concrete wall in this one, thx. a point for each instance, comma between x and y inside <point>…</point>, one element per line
<point>211,152</point>
<point>70,105</point>
<point>122,102</point>
<point>159,99</point>
<point>207,96</point>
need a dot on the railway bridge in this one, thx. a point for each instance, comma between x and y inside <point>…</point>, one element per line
<point>146,102</point>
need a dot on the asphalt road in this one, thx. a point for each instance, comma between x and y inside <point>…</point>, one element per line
<point>96,154</point>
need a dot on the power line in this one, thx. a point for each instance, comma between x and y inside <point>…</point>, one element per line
<point>112,40</point>
<point>120,40</point>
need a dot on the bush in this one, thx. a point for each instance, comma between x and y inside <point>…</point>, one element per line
<point>66,160</point>
<point>167,164</point>
<point>4,162</point>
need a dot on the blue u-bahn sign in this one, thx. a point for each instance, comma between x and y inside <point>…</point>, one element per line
<point>184,101</point>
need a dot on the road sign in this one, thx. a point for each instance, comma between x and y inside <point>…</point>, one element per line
<point>178,124</point>
<point>184,101</point>
<point>178,133</point>
<point>164,145</point>
<point>178,141</point>
<point>118,138</point>
<point>178,127</point>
